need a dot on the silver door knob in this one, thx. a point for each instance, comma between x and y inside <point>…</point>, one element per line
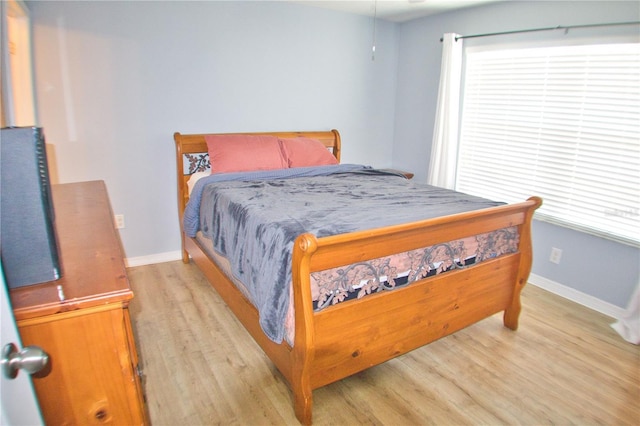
<point>31,359</point>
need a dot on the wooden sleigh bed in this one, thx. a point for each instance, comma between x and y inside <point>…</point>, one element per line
<point>324,350</point>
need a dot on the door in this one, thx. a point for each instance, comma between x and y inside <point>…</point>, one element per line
<point>18,100</point>
<point>19,404</point>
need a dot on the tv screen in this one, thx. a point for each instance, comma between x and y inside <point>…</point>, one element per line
<point>28,240</point>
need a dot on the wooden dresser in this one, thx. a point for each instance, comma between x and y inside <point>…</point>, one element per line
<point>82,320</point>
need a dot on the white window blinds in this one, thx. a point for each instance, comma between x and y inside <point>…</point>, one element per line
<point>562,123</point>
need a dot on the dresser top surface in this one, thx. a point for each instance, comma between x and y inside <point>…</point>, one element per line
<point>93,270</point>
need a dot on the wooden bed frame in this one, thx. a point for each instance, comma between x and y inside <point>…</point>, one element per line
<point>325,350</point>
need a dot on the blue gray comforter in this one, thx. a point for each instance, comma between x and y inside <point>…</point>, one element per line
<point>254,219</point>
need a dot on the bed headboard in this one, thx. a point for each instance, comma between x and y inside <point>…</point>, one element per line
<point>192,149</point>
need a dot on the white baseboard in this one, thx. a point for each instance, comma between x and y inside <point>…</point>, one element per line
<point>574,295</point>
<point>169,256</point>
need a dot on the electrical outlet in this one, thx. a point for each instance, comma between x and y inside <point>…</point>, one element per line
<point>119,220</point>
<point>556,254</point>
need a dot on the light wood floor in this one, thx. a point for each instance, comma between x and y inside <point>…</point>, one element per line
<point>565,365</point>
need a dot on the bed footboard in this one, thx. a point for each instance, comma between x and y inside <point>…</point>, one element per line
<point>386,325</point>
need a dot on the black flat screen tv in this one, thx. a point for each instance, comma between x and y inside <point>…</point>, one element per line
<point>28,241</point>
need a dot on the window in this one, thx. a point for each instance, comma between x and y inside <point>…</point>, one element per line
<point>562,123</point>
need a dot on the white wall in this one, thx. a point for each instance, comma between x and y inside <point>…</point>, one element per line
<point>115,80</point>
<point>591,266</point>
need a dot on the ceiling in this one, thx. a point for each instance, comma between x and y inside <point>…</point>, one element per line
<point>394,10</point>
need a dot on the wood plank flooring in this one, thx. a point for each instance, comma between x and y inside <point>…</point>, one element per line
<point>565,365</point>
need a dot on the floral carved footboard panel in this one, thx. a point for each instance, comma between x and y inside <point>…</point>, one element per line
<point>336,285</point>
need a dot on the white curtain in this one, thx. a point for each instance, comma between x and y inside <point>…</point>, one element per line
<point>629,325</point>
<point>444,149</point>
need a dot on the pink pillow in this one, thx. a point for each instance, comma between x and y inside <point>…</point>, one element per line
<point>304,152</point>
<point>243,153</point>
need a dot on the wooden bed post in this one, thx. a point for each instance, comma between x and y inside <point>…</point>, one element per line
<point>303,347</point>
<point>177,137</point>
<point>512,313</point>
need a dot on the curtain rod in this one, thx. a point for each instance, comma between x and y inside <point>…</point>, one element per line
<point>559,27</point>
